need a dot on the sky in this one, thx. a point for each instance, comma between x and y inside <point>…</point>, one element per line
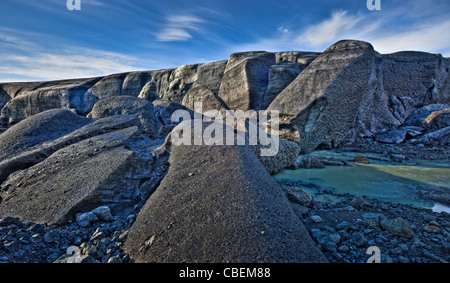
<point>44,40</point>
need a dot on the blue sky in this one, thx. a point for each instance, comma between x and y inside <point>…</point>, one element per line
<point>43,40</point>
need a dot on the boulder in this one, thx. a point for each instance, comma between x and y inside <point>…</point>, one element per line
<point>45,126</point>
<point>298,195</point>
<point>397,227</point>
<point>320,104</point>
<point>285,157</point>
<point>128,105</point>
<point>23,159</point>
<point>362,159</point>
<point>218,204</point>
<point>102,170</point>
<point>425,115</point>
<point>440,137</point>
<point>245,80</point>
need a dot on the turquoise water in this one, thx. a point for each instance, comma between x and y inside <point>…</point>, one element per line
<point>382,179</point>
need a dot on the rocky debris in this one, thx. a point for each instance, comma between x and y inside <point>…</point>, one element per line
<point>101,213</point>
<point>27,242</point>
<point>128,105</point>
<point>242,216</point>
<point>245,80</point>
<point>351,225</point>
<point>436,194</point>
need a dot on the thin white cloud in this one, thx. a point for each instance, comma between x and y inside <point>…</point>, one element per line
<point>429,38</point>
<point>340,23</point>
<point>24,60</point>
<point>179,28</point>
<point>381,30</point>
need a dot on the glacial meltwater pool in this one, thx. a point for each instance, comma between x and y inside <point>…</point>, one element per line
<point>381,179</point>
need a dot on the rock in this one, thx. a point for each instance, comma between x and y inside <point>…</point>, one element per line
<point>286,156</point>
<point>7,221</point>
<point>180,81</point>
<point>418,75</point>
<point>303,58</point>
<point>89,179</point>
<point>398,227</point>
<point>423,116</point>
<point>372,219</point>
<point>439,137</point>
<point>328,240</point>
<point>359,239</point>
<point>245,80</point>
<point>307,161</point>
<point>86,219</point>
<point>128,105</point>
<point>438,119</point>
<point>316,219</point>
<point>45,126</point>
<point>359,158</point>
<point>360,203</point>
<point>87,259</point>
<point>240,200</point>
<point>103,213</point>
<point>344,225</point>
<point>164,110</point>
<point>13,246</point>
<point>27,158</point>
<point>312,107</point>
<point>298,195</point>
<point>51,237</point>
<point>115,259</point>
<point>432,229</point>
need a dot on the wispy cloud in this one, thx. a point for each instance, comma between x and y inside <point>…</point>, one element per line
<point>339,24</point>
<point>179,28</point>
<point>420,35</point>
<point>28,60</point>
